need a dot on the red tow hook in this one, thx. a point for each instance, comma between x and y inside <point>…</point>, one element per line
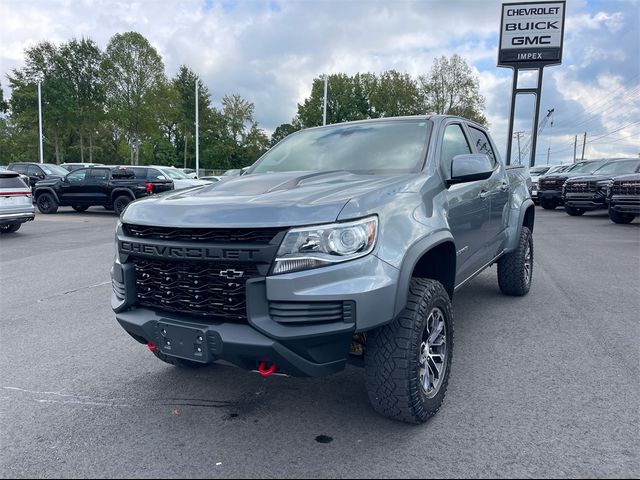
<point>266,371</point>
<point>151,346</point>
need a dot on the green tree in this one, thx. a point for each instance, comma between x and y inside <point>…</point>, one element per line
<point>282,131</point>
<point>394,94</point>
<point>41,65</point>
<point>133,71</point>
<point>79,62</point>
<point>452,88</point>
<point>184,83</point>
<point>237,112</point>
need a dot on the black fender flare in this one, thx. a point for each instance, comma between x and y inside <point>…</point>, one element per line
<point>410,260</point>
<point>513,240</point>
<point>118,191</point>
<point>41,190</point>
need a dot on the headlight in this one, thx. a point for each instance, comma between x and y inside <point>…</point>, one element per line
<point>320,245</point>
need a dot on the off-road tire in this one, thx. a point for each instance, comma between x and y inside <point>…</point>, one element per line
<point>79,208</point>
<point>620,217</point>
<point>548,204</point>
<point>513,278</point>
<point>14,227</point>
<point>178,362</point>
<point>574,211</point>
<point>120,203</point>
<point>392,356</point>
<point>46,203</point>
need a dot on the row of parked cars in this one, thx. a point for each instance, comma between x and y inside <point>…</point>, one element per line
<point>612,184</point>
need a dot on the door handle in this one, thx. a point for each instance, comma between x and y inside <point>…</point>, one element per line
<point>484,194</point>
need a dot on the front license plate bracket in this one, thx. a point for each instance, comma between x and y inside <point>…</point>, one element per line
<point>184,342</point>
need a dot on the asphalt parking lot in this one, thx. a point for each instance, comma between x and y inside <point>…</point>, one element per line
<point>542,386</point>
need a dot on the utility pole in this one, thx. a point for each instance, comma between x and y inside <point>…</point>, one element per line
<point>584,142</point>
<point>324,113</point>
<point>197,144</point>
<point>517,134</point>
<point>40,121</point>
<point>575,146</point>
<point>548,152</point>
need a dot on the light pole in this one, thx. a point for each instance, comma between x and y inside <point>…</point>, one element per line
<point>324,113</point>
<point>197,143</point>
<point>41,153</point>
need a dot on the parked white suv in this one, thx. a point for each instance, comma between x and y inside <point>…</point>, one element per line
<point>16,206</point>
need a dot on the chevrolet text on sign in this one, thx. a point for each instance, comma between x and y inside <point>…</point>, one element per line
<point>531,34</point>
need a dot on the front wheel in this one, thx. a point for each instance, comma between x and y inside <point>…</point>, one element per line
<point>10,228</point>
<point>515,269</point>
<point>407,362</point>
<point>620,217</point>
<point>573,211</point>
<point>79,208</point>
<point>548,204</point>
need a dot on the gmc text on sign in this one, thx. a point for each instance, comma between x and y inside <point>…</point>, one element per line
<point>531,34</point>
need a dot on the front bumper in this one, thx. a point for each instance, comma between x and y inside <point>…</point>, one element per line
<point>625,204</point>
<point>550,195</point>
<point>584,201</point>
<point>304,347</point>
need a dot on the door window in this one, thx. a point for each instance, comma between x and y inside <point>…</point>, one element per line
<point>99,174</point>
<point>34,171</point>
<point>482,143</point>
<point>77,176</point>
<point>19,168</point>
<point>454,143</point>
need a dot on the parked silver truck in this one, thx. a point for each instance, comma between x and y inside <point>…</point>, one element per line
<point>343,243</point>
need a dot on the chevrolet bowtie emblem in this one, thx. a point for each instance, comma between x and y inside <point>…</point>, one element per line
<point>230,274</point>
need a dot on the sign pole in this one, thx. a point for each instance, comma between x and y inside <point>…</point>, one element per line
<point>197,143</point>
<point>531,38</point>
<point>40,123</point>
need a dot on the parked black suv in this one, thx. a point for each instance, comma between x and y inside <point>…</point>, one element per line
<point>550,186</point>
<point>623,196</point>
<point>111,187</point>
<point>38,171</point>
<point>581,194</point>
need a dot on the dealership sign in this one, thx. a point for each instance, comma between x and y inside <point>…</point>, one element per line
<point>531,34</point>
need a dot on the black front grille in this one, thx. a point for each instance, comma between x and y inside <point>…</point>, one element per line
<point>580,187</point>
<point>628,187</point>
<point>551,183</point>
<point>213,289</point>
<point>226,235</point>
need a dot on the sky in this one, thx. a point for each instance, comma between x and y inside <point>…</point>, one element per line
<point>269,52</point>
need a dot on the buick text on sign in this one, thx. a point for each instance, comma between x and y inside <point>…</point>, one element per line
<point>531,33</point>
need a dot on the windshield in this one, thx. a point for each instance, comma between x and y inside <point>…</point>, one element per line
<point>375,147</point>
<point>627,166</point>
<point>538,170</point>
<point>53,169</point>
<point>585,167</point>
<point>174,173</point>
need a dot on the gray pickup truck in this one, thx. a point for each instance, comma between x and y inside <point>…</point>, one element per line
<point>341,244</point>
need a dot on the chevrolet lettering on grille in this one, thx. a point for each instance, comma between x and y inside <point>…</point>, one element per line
<point>205,253</point>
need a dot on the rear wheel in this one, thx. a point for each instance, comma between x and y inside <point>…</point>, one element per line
<point>47,203</point>
<point>120,203</point>
<point>79,208</point>
<point>178,362</point>
<point>515,269</point>
<point>573,211</point>
<point>548,203</point>
<point>10,228</point>
<point>620,217</point>
<point>407,362</point>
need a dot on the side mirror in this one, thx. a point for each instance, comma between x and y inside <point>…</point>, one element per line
<point>470,168</point>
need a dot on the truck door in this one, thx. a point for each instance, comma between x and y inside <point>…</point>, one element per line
<point>468,206</point>
<point>73,188</point>
<point>498,192</point>
<point>97,186</point>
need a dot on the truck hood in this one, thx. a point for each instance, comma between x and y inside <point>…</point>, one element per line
<point>273,199</point>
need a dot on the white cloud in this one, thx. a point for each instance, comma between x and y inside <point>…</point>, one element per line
<point>269,52</point>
